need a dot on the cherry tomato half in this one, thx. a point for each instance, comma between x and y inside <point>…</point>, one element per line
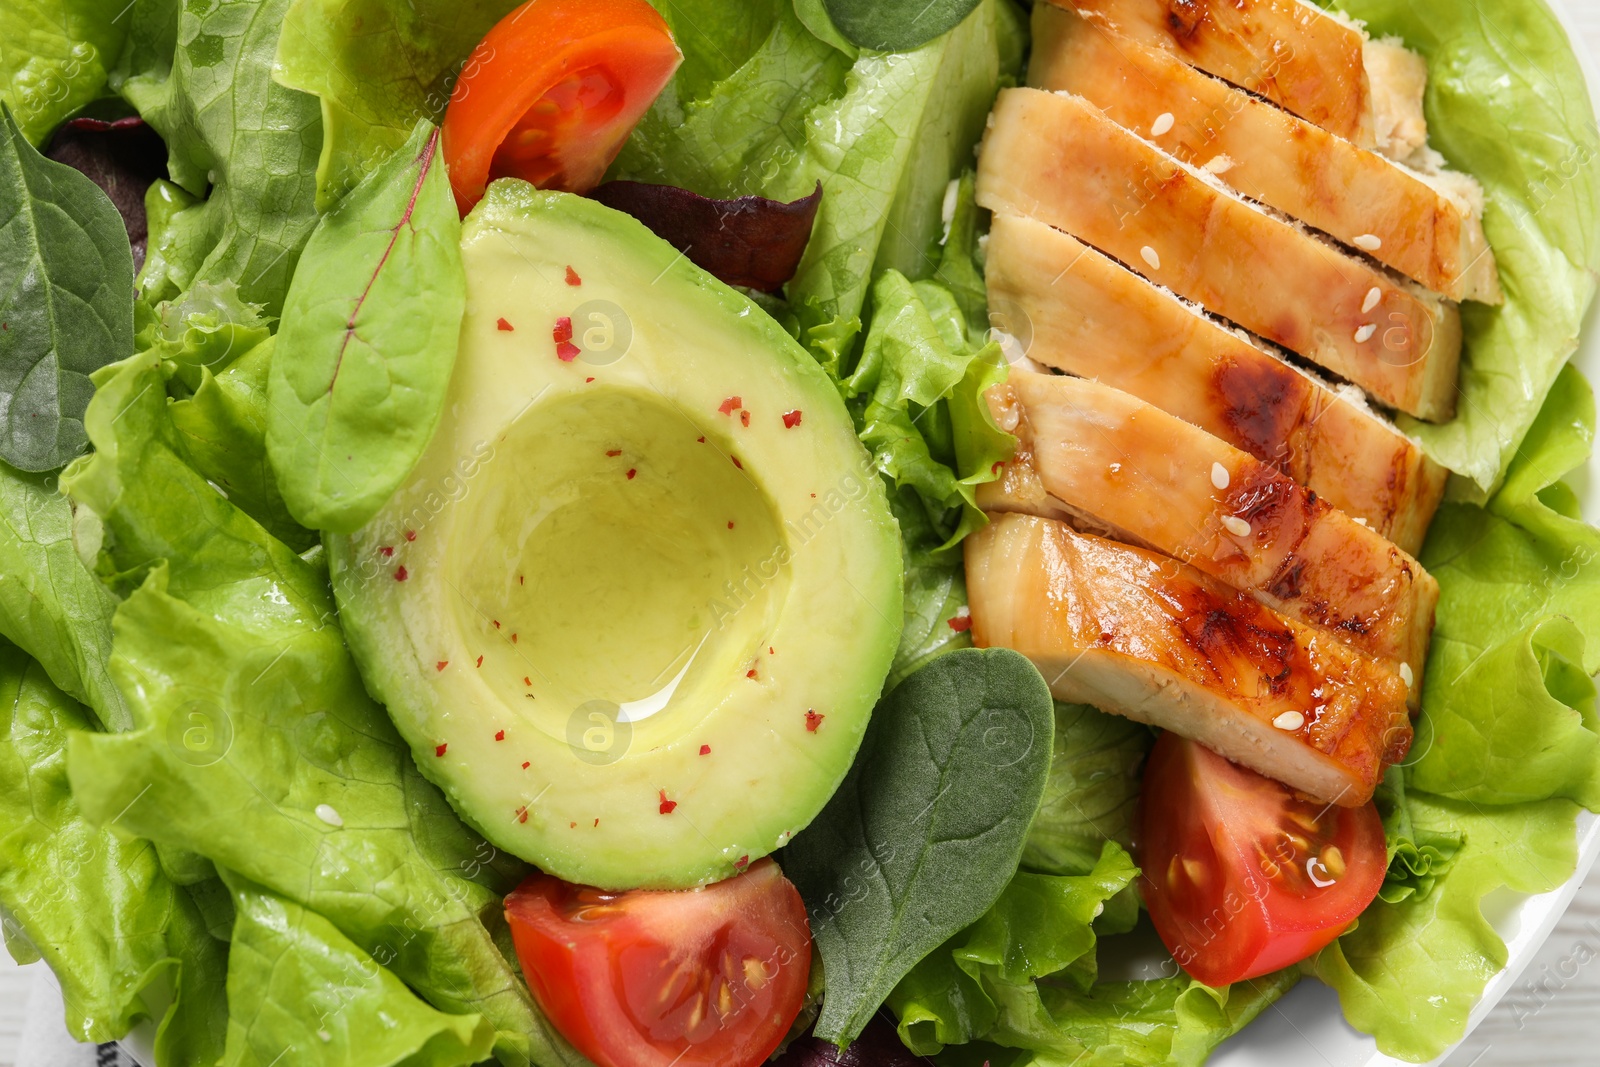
<point>710,977</point>
<point>552,92</point>
<point>1241,876</point>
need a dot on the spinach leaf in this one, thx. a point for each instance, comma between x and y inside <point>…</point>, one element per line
<point>927,829</point>
<point>378,67</point>
<point>66,301</point>
<point>368,341</point>
<point>896,25</point>
<point>56,57</point>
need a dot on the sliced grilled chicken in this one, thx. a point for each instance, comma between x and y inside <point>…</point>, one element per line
<point>1085,314</point>
<point>1059,159</point>
<point>1302,58</point>
<point>1125,467</point>
<point>1429,232</point>
<point>1141,635</point>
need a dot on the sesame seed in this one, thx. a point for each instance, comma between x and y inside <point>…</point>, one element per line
<point>1162,124</point>
<point>1406,676</point>
<point>326,813</point>
<point>1360,521</point>
<point>1368,242</point>
<point>1364,334</point>
<point>1289,720</point>
<point>1374,298</point>
<point>1236,526</point>
<point>1219,476</point>
<point>1148,254</point>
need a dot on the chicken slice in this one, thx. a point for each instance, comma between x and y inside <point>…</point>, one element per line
<point>1431,234</point>
<point>1059,159</point>
<point>1081,312</point>
<point>1129,469</point>
<point>1144,636</point>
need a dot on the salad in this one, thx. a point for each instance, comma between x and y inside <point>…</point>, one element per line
<point>695,532</point>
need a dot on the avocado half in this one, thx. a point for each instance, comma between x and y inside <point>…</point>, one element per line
<point>634,606</point>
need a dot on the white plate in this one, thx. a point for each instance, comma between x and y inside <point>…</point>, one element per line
<point>1307,1025</point>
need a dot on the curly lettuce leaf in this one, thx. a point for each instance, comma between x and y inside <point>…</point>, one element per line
<point>1418,856</point>
<point>1092,791</point>
<point>1509,711</point>
<point>140,940</point>
<point>1411,971</point>
<point>1508,103</point>
<point>250,717</point>
<point>202,76</point>
<point>56,58</point>
<point>298,987</point>
<point>981,984</point>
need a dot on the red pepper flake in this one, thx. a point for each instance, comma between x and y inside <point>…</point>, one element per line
<point>586,381</point>
<point>496,623</point>
<point>744,418</point>
<point>519,579</point>
<point>438,750</point>
<point>597,822</point>
<point>741,863</point>
<point>996,466</point>
<point>563,330</point>
<point>572,826</point>
<point>700,440</point>
<point>441,665</point>
<point>572,277</point>
<point>500,735</point>
<point>566,351</point>
<point>411,535</point>
<point>386,551</point>
<point>813,496</point>
<point>730,524</point>
<point>791,419</point>
<point>961,623</point>
<point>771,651</point>
<point>813,721</point>
<point>526,765</point>
<point>632,471</point>
<point>705,750</point>
<point>522,813</point>
<point>736,462</point>
<point>526,680</point>
<point>667,806</point>
<point>504,326</point>
<point>480,661</point>
<point>730,405</point>
<point>513,639</point>
<point>613,452</point>
<point>751,673</point>
<point>401,574</point>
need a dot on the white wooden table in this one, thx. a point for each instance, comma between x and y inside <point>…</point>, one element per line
<point>1551,1019</point>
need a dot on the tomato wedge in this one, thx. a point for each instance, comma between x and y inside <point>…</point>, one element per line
<point>552,92</point>
<point>710,977</point>
<point>1243,877</point>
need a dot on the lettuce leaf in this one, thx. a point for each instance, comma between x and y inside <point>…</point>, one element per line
<point>1411,971</point>
<point>1092,792</point>
<point>51,605</point>
<point>94,905</point>
<point>1508,703</point>
<point>1505,745</point>
<point>296,985</point>
<point>256,744</point>
<point>202,76</point>
<point>1508,103</point>
<point>377,67</point>
<point>56,58</point>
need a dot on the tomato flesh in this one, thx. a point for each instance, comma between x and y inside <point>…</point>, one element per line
<point>552,92</point>
<point>710,977</point>
<point>1241,876</point>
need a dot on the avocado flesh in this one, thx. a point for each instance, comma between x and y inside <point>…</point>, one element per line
<point>626,623</point>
